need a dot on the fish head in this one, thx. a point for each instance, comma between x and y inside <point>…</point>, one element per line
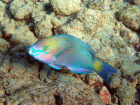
<point>43,50</point>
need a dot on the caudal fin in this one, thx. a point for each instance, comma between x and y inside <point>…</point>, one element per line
<point>104,70</point>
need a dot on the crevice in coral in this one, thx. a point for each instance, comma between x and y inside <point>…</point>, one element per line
<point>58,99</point>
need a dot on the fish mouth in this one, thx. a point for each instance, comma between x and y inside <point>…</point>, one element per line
<point>32,51</point>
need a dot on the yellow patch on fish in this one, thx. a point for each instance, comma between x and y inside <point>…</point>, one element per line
<point>97,65</point>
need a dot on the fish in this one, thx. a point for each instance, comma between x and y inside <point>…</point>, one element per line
<point>68,51</point>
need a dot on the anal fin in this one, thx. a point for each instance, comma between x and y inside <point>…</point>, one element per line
<point>80,70</point>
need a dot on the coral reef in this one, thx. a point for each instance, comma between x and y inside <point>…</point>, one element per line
<point>110,27</point>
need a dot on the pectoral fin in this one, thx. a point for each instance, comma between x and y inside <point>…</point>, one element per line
<point>55,66</point>
<point>56,56</point>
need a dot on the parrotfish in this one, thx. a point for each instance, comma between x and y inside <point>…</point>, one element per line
<point>68,51</point>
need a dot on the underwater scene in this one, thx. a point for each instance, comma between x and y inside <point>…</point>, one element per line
<point>69,52</point>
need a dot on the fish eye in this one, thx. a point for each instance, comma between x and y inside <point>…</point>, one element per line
<point>46,48</point>
<point>31,51</point>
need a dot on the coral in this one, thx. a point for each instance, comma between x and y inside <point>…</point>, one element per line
<point>23,35</point>
<point>130,17</point>
<point>26,81</point>
<point>115,82</point>
<point>126,94</point>
<point>96,4</point>
<point>43,28</point>
<point>136,46</point>
<point>21,9</point>
<point>136,2</point>
<point>4,45</point>
<point>105,95</point>
<point>65,7</point>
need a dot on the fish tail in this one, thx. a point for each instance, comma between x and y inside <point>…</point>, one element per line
<point>104,70</point>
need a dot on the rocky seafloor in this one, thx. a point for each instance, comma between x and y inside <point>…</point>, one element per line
<point>110,27</point>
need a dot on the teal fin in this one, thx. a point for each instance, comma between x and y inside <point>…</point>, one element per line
<point>107,71</point>
<point>55,66</point>
<point>80,70</point>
